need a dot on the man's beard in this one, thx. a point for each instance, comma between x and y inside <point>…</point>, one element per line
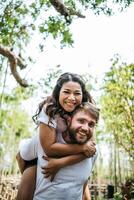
<point>72,135</point>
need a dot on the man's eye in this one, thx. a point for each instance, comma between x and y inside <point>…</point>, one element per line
<point>81,121</point>
<point>91,125</point>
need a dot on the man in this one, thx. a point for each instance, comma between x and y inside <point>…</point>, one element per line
<point>70,181</point>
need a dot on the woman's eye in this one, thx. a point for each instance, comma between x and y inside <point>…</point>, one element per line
<point>78,93</point>
<point>66,92</point>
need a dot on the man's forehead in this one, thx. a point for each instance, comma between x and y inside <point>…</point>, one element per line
<point>83,113</point>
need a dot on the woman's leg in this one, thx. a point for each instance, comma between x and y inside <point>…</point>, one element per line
<point>27,185</point>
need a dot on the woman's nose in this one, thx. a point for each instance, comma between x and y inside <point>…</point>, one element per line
<point>71,96</point>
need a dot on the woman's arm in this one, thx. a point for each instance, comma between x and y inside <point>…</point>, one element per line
<point>54,149</point>
<point>54,165</point>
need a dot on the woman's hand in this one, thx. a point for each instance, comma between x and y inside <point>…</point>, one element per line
<point>51,168</point>
<point>89,148</point>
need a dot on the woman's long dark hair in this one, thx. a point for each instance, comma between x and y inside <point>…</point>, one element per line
<point>53,106</point>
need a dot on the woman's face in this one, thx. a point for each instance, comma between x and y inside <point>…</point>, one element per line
<point>70,96</point>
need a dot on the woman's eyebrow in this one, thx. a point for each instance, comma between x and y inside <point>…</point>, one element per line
<point>77,90</point>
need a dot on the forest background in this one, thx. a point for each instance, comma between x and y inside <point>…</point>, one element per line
<point>27,31</point>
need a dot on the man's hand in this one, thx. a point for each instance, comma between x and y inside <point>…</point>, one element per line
<point>51,168</point>
<point>89,149</point>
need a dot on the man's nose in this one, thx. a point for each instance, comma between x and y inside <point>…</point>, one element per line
<point>85,127</point>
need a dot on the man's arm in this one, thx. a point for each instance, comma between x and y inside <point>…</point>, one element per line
<point>86,192</point>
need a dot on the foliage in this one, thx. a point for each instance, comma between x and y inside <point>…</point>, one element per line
<point>88,79</point>
<point>118,196</point>
<point>20,20</point>
<point>117,104</point>
<point>46,84</point>
<point>15,124</point>
<point>127,190</point>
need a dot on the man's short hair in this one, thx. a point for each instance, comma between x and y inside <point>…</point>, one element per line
<point>89,108</point>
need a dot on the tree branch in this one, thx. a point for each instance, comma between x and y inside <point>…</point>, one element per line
<point>14,61</point>
<point>63,10</point>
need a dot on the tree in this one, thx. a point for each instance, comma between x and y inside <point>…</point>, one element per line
<point>117,104</point>
<point>19,20</point>
<point>15,124</point>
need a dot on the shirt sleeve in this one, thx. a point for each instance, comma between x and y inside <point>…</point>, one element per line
<point>44,118</point>
<point>28,148</point>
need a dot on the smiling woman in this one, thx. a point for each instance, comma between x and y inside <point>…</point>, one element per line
<point>70,96</point>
